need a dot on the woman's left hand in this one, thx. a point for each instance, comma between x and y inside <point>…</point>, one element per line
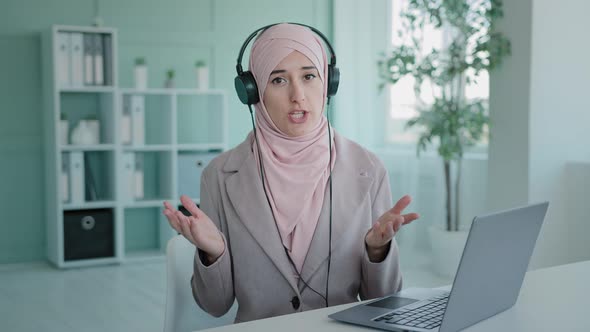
<point>387,226</point>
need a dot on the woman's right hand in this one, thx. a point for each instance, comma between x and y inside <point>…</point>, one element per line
<point>197,228</point>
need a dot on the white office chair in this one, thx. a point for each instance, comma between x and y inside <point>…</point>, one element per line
<point>182,312</point>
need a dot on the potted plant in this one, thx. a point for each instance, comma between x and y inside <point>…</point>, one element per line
<point>140,73</point>
<point>452,122</point>
<point>202,75</point>
<point>170,73</point>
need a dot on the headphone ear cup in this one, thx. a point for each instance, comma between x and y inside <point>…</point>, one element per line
<point>246,88</point>
<point>333,80</point>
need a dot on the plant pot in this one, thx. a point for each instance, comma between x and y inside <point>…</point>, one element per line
<point>169,84</point>
<point>202,74</point>
<point>447,248</point>
<point>140,75</point>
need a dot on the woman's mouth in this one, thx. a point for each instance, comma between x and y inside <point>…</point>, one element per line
<point>298,117</point>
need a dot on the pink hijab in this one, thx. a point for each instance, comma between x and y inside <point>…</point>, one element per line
<point>296,168</point>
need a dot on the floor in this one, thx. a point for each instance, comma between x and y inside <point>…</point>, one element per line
<point>37,297</point>
<point>109,298</point>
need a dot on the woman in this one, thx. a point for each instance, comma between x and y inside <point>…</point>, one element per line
<point>266,222</point>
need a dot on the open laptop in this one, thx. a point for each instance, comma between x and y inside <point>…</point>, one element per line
<point>488,279</point>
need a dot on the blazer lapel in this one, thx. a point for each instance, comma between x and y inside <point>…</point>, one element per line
<point>350,184</point>
<point>244,189</point>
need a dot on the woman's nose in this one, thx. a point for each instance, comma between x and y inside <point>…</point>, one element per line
<point>297,92</point>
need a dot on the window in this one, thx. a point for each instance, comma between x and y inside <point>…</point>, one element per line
<point>403,101</point>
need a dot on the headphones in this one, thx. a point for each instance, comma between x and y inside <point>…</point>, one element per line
<point>248,93</point>
<point>245,83</point>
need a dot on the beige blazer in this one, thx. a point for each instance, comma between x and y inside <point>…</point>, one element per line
<point>254,268</point>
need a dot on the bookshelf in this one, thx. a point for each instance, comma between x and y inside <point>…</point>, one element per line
<point>105,192</point>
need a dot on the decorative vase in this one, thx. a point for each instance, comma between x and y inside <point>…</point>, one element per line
<point>202,74</point>
<point>141,77</point>
<point>447,248</point>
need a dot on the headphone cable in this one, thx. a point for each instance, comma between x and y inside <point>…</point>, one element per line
<point>330,179</point>
<point>272,212</point>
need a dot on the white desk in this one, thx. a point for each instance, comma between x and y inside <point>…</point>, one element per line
<point>551,299</point>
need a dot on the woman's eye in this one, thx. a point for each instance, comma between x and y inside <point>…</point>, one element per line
<point>309,76</point>
<point>277,80</point>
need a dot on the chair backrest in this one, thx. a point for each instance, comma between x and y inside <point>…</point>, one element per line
<point>182,312</point>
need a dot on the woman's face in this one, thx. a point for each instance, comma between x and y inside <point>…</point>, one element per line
<point>294,95</point>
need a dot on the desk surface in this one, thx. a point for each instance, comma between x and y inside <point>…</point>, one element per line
<point>551,299</point>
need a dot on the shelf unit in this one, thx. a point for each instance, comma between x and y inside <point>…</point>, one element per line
<point>130,177</point>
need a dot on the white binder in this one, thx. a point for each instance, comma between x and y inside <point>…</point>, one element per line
<point>64,55</point>
<point>126,128</point>
<point>138,177</point>
<point>138,119</point>
<point>76,167</point>
<point>77,43</point>
<point>64,181</point>
<point>128,176</point>
<point>98,60</point>
<point>88,59</point>
<point>107,53</point>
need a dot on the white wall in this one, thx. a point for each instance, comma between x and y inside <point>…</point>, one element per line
<point>577,182</point>
<point>360,32</point>
<point>509,112</point>
<point>560,115</point>
<point>542,118</point>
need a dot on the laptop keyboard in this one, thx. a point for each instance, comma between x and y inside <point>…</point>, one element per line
<point>428,315</point>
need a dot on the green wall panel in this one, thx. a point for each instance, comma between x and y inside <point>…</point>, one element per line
<point>22,230</point>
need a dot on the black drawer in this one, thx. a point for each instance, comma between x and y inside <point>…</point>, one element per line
<point>89,234</point>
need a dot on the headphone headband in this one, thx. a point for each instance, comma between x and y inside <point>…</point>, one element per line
<point>239,68</point>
